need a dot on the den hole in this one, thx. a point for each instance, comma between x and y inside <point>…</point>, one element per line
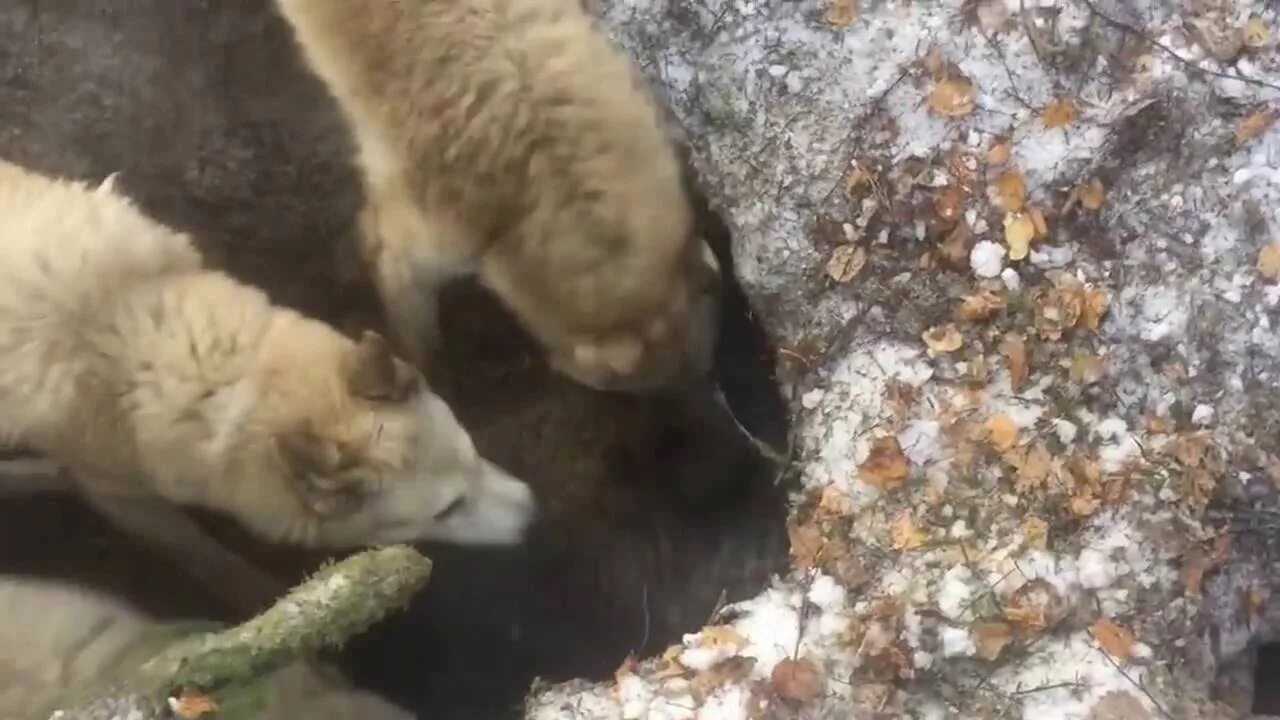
<point>1266,680</point>
<point>658,510</point>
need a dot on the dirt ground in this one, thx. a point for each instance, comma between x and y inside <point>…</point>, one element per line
<point>658,509</point>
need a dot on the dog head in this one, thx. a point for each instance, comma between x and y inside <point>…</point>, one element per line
<point>623,300</point>
<point>372,456</point>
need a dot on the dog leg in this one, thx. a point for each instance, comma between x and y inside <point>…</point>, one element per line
<point>412,256</point>
<point>167,528</point>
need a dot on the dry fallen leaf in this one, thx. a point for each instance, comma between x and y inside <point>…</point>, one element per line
<point>1114,640</point>
<point>998,153</point>
<point>1010,194</point>
<point>949,203</point>
<point>730,670</point>
<point>807,542</point>
<point>858,176</point>
<point>885,467</point>
<point>1059,113</point>
<point>840,13</point>
<point>1037,219</point>
<point>1269,262</point>
<point>846,262</point>
<point>904,533</point>
<point>1001,432</point>
<point>670,663</point>
<point>1036,532</point>
<point>991,638</point>
<point>1034,606</point>
<point>796,680</point>
<point>721,636</point>
<point>1254,602</point>
<point>1093,195</point>
<point>1059,308</point>
<point>955,248</point>
<point>980,306</point>
<point>1194,565</point>
<point>1087,368</point>
<point>952,97</point>
<point>1256,34</point>
<point>1096,304</point>
<point>835,502</point>
<point>1254,125</point>
<point>1033,466</point>
<point>1019,230</point>
<point>1014,349</point>
<point>192,705</point>
<point>943,339</point>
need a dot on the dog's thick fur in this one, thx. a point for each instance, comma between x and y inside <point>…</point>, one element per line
<point>157,383</point>
<point>511,138</point>
<point>58,638</point>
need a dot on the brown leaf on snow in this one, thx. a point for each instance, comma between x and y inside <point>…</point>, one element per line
<point>1014,349</point>
<point>846,262</point>
<point>1254,602</point>
<point>1269,262</point>
<point>956,246</point>
<point>943,339</point>
<point>1019,231</point>
<point>670,666</point>
<point>1116,641</point>
<point>948,203</point>
<point>193,705</point>
<point>835,502</point>
<point>721,636</point>
<point>1037,220</point>
<point>991,638</point>
<point>904,534</point>
<point>1034,607</point>
<point>998,153</point>
<point>1009,193</point>
<point>1087,368</point>
<point>1001,432</point>
<point>1036,532</point>
<point>1194,565</point>
<point>1258,122</point>
<point>730,670</point>
<point>1057,310</point>
<point>980,306</point>
<point>885,467</point>
<point>1059,113</point>
<point>806,544</point>
<point>1096,304</point>
<point>798,680</point>
<point>858,176</point>
<point>952,97</point>
<point>841,13</point>
<point>1033,464</point>
<point>1093,195</point>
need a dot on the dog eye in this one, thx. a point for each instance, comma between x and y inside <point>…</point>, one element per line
<point>452,508</point>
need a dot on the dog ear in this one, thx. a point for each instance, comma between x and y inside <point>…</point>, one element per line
<point>374,373</point>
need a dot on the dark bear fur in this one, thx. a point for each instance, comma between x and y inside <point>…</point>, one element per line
<point>657,509</point>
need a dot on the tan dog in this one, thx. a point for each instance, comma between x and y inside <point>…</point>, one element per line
<point>158,382</point>
<point>57,638</point>
<point>511,138</point>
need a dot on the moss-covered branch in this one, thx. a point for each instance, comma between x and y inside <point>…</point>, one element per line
<point>337,603</point>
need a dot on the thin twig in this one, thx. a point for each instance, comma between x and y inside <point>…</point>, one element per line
<point>1191,65</point>
<point>1136,684</point>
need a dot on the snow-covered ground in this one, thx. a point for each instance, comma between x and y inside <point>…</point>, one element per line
<point>1020,260</point>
